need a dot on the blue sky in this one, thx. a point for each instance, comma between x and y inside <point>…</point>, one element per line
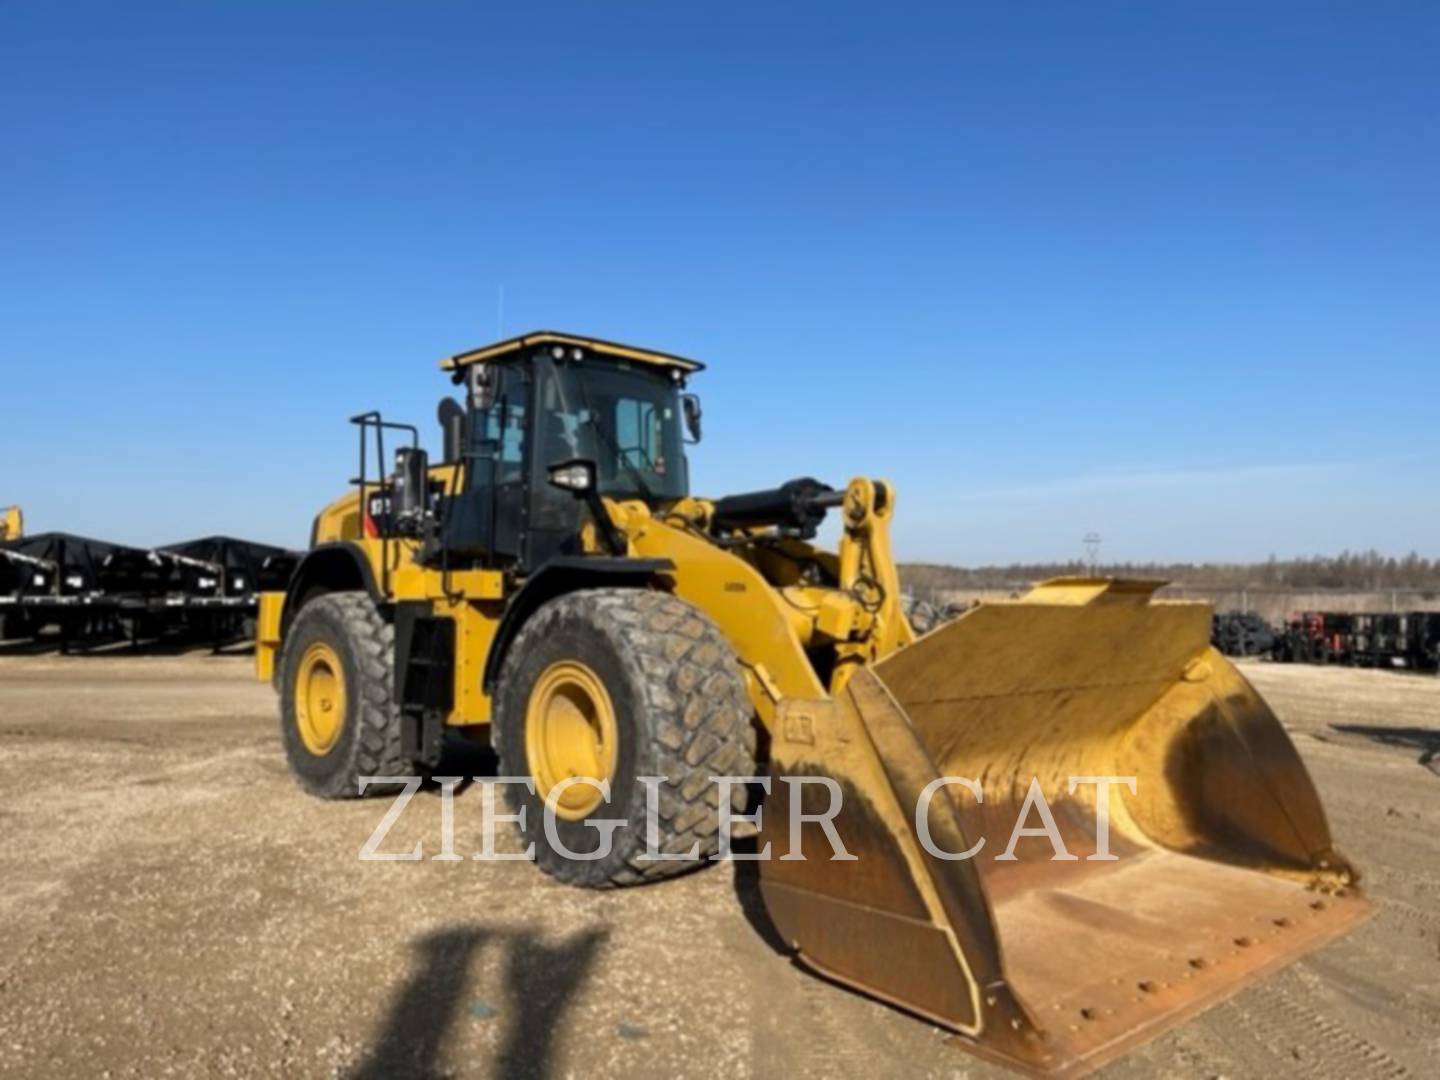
<point>1166,272</point>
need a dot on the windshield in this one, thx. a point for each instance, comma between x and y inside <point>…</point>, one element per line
<point>626,418</point>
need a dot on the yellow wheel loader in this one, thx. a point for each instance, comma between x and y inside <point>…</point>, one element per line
<point>1054,826</point>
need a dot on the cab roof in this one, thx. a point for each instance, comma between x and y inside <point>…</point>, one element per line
<point>504,350</point>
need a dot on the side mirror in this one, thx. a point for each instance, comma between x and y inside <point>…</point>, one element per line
<point>408,491</point>
<point>690,405</point>
<point>451,415</point>
<point>576,477</point>
<point>480,378</point>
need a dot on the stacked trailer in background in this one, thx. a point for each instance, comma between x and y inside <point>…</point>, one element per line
<point>84,588</point>
<point>1411,640</point>
<point>92,590</point>
<point>217,579</point>
<point>1381,640</point>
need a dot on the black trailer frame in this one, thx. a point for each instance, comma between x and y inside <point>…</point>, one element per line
<point>97,590</point>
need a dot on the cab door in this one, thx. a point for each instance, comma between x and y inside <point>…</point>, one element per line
<point>487,518</point>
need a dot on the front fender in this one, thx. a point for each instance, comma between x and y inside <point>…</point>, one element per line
<point>560,576</point>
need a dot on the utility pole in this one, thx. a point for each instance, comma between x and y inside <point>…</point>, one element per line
<point>1092,552</point>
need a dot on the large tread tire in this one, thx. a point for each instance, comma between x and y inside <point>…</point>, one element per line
<point>682,713</point>
<point>369,741</point>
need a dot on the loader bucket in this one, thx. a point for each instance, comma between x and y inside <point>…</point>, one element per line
<point>1037,950</point>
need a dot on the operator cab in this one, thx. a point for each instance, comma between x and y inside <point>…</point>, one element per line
<point>550,423</point>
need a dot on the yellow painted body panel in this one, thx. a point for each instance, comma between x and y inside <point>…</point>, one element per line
<point>752,615</point>
<point>271,606</point>
<point>12,523</point>
<point>475,628</point>
<point>411,582</point>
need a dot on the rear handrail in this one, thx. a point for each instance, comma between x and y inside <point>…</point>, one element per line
<point>366,422</point>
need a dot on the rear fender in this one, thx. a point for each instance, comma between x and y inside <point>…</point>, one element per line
<point>334,567</point>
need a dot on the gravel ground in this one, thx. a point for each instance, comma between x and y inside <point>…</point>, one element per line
<point>172,905</point>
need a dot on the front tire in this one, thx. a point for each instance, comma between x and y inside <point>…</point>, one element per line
<point>338,716</point>
<point>626,683</point>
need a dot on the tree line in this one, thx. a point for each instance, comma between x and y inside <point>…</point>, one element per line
<point>1365,570</point>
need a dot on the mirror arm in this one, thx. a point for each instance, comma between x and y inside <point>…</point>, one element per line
<point>586,487</point>
<point>614,539</point>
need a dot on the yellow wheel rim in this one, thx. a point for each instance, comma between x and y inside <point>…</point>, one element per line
<point>319,698</point>
<point>570,731</point>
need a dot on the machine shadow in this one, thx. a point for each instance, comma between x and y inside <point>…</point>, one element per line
<point>469,759</point>
<point>425,1008</point>
<point>1425,740</point>
<point>109,648</point>
<point>747,893</point>
<point>541,984</point>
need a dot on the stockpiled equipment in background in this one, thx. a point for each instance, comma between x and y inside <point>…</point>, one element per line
<point>1393,639</point>
<point>1305,640</point>
<point>1424,635</point>
<point>556,588</point>
<point>926,615</point>
<point>1242,633</point>
<point>1409,640</point>
<point>90,590</point>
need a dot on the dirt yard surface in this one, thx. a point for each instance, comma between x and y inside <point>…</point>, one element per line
<point>172,905</point>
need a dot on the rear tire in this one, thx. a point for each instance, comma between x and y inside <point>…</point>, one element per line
<point>338,717</point>
<point>677,709</point>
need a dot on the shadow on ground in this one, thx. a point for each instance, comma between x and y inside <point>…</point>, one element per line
<point>747,892</point>
<point>1425,740</point>
<point>110,648</point>
<point>469,759</point>
<point>542,982</point>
